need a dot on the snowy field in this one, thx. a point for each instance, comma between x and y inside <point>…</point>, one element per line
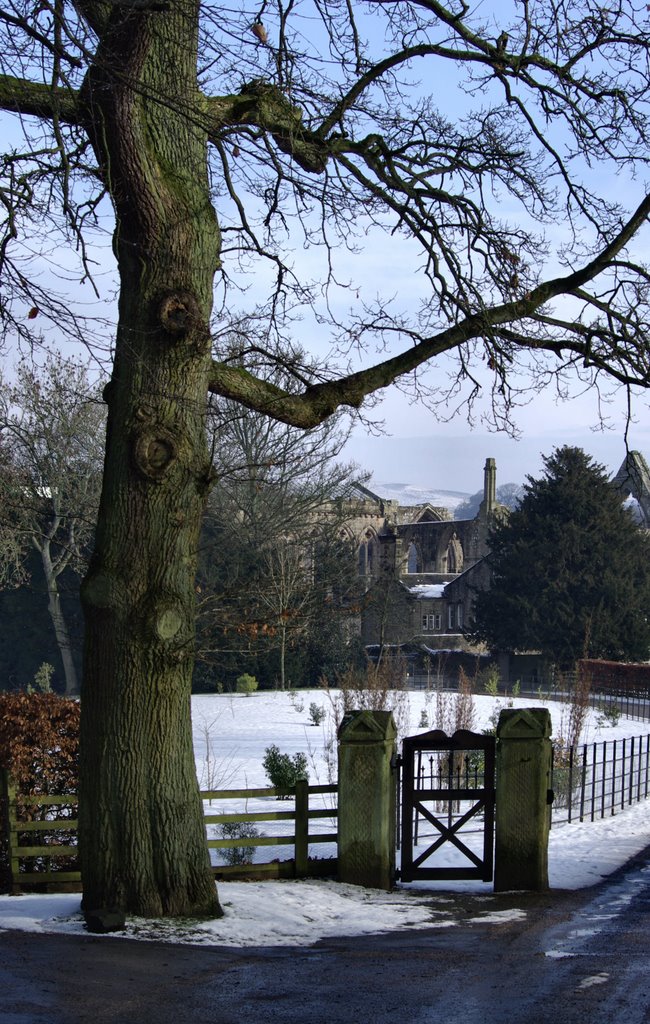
<point>231,734</point>
<point>231,731</point>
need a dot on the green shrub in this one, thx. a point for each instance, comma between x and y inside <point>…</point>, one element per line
<point>568,771</point>
<point>243,854</point>
<point>297,702</point>
<point>42,682</point>
<point>246,684</point>
<point>608,714</point>
<point>282,770</point>
<point>316,713</point>
<point>490,679</point>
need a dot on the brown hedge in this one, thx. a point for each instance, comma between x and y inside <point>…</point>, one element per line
<point>39,747</point>
<point>39,742</point>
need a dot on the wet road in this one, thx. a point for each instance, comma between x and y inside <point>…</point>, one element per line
<point>558,958</point>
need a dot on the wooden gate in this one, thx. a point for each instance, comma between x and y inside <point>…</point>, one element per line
<point>447,806</point>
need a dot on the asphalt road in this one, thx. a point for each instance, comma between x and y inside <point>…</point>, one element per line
<point>566,957</point>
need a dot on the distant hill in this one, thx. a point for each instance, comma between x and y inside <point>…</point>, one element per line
<point>410,494</point>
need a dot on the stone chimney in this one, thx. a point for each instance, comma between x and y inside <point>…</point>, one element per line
<point>489,488</point>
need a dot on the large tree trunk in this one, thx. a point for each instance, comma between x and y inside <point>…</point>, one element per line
<point>142,835</point>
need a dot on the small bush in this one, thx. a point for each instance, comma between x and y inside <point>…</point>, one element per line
<point>608,714</point>
<point>297,703</point>
<point>490,679</point>
<point>376,687</point>
<point>316,713</point>
<point>243,854</point>
<point>282,770</point>
<point>567,775</point>
<point>39,741</point>
<point>42,682</point>
<point>246,684</point>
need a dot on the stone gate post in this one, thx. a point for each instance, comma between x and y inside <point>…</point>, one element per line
<point>366,821</point>
<point>523,780</point>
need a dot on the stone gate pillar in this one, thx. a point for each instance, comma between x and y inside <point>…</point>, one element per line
<point>366,820</point>
<point>523,770</point>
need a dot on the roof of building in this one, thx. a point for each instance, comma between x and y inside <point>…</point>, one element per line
<point>423,590</point>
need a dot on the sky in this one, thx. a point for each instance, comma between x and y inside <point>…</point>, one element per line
<point>433,457</point>
<point>277,913</point>
<point>416,448</point>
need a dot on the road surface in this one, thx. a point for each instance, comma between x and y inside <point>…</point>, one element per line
<point>556,958</point>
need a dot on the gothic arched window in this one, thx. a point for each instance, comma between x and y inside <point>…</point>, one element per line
<point>454,555</point>
<point>412,560</point>
<point>368,554</point>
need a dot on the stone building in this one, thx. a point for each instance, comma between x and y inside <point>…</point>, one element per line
<point>633,481</point>
<point>420,567</point>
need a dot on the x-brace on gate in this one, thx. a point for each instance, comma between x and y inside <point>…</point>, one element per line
<point>448,782</point>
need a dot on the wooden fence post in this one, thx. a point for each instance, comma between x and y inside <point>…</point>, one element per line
<point>302,828</point>
<point>11,825</point>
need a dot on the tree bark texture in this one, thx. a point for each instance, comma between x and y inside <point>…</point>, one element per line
<point>142,835</point>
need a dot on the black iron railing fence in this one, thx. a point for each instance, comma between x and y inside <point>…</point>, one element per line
<point>622,701</point>
<point>597,780</point>
<point>614,702</point>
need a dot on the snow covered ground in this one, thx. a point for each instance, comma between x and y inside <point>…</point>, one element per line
<point>231,734</point>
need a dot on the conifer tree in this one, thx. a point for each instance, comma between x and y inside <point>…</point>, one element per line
<point>570,570</point>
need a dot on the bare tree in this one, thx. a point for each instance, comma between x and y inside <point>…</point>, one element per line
<point>53,429</point>
<point>229,137</point>
<point>274,566</point>
<point>12,535</point>
<point>286,597</point>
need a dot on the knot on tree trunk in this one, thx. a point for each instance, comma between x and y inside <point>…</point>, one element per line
<point>164,624</point>
<point>165,619</point>
<point>103,591</point>
<point>179,315</point>
<point>154,452</point>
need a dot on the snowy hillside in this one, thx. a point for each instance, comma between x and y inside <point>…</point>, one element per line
<point>410,494</point>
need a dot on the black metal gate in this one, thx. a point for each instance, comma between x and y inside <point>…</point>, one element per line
<point>447,798</point>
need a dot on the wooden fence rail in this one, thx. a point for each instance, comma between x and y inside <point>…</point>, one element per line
<point>39,833</point>
<point>34,863</point>
<point>300,866</point>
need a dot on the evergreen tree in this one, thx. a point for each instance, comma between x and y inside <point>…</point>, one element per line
<point>570,570</point>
